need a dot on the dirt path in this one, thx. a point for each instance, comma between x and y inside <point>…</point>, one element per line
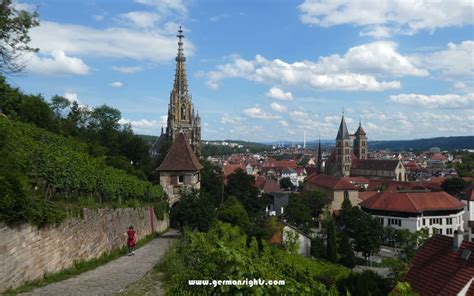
<point>114,276</point>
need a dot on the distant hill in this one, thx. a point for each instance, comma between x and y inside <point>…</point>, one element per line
<point>443,143</point>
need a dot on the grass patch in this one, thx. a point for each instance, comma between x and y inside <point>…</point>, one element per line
<point>79,267</point>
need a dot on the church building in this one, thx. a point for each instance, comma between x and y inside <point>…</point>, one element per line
<point>181,115</point>
<point>350,158</point>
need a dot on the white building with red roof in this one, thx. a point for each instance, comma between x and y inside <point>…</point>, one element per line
<point>468,201</point>
<point>440,212</point>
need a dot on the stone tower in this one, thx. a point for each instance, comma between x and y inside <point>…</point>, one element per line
<point>343,150</point>
<point>360,143</point>
<point>181,117</point>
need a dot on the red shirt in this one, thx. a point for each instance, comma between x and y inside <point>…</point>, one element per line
<point>132,238</point>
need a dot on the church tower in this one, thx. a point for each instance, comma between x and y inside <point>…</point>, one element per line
<point>181,117</point>
<point>360,143</point>
<point>319,163</point>
<point>343,150</point>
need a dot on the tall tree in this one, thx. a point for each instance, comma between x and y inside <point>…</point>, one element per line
<point>242,186</point>
<point>14,37</point>
<point>345,251</point>
<point>331,242</point>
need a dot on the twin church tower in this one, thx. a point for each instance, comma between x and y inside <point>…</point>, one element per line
<point>181,116</point>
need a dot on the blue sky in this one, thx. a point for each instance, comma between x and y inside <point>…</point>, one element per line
<point>264,70</point>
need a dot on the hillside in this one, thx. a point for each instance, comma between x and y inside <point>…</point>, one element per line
<point>38,167</point>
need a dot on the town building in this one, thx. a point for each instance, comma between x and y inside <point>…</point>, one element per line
<point>439,212</point>
<point>180,170</point>
<point>181,115</point>
<point>336,189</point>
<point>468,200</point>
<point>443,266</point>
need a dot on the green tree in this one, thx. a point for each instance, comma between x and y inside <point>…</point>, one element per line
<point>345,250</point>
<point>212,181</point>
<point>368,235</point>
<point>242,186</point>
<point>318,248</point>
<point>454,186</point>
<point>14,37</point>
<point>286,184</point>
<point>233,212</point>
<point>331,241</point>
<point>366,283</point>
<point>194,210</point>
<point>316,200</point>
<point>297,212</point>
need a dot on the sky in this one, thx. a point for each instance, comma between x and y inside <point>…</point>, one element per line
<point>264,70</point>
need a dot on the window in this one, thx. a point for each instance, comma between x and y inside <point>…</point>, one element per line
<point>180,179</point>
<point>437,231</point>
<point>449,221</point>
<point>449,231</point>
<point>436,221</point>
<point>424,222</point>
<point>346,194</point>
<point>380,220</point>
<point>397,222</point>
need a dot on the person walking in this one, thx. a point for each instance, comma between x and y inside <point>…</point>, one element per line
<point>131,240</point>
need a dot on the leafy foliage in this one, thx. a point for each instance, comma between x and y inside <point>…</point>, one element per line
<point>223,253</point>
<point>194,210</point>
<point>242,186</point>
<point>454,186</point>
<point>14,38</point>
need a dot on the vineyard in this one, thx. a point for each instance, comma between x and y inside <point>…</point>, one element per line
<point>40,172</point>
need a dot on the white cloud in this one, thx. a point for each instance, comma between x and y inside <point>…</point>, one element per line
<point>144,125</point>
<point>166,6</point>
<point>284,123</point>
<point>116,84</point>
<point>23,6</point>
<point>279,94</point>
<point>455,61</point>
<point>231,119</point>
<point>435,101</point>
<point>134,44</point>
<point>57,63</point>
<point>358,69</point>
<point>257,112</point>
<point>380,18</point>
<point>71,97</point>
<point>142,19</point>
<point>278,107</point>
<point>128,70</point>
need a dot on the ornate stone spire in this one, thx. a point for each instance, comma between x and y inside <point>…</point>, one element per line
<point>180,80</point>
<point>320,157</point>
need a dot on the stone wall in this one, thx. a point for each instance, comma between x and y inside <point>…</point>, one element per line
<point>27,253</point>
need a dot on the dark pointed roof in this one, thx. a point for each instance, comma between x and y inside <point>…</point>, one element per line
<point>342,133</point>
<point>360,130</point>
<point>180,157</point>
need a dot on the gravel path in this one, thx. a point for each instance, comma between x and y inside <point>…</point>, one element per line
<point>114,276</point>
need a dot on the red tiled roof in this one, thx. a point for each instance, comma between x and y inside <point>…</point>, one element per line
<point>271,185</point>
<point>438,269</point>
<point>412,202</point>
<point>230,168</point>
<point>330,182</point>
<point>366,194</point>
<point>438,156</point>
<point>180,157</point>
<point>437,180</point>
<point>375,164</point>
<point>359,180</point>
<point>281,163</point>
